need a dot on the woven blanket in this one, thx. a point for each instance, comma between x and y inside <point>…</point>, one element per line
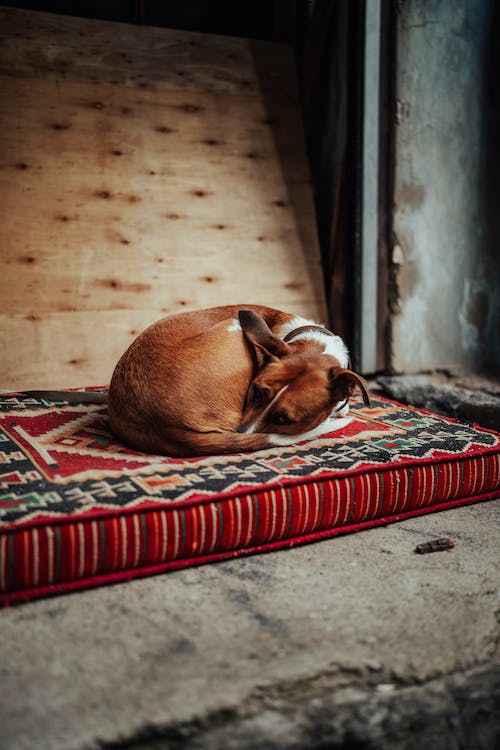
<point>78,509</point>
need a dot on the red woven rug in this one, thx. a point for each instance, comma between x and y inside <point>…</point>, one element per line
<point>77,509</point>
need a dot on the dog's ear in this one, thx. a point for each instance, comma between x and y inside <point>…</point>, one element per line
<point>343,384</point>
<point>265,344</point>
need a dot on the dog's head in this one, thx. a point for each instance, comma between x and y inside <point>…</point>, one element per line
<point>295,388</point>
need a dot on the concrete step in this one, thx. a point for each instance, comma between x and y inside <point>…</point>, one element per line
<point>470,398</point>
<point>354,642</point>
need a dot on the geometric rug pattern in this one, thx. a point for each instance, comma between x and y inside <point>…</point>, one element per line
<point>79,509</point>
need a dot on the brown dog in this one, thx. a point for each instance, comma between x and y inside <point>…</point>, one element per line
<point>230,379</point>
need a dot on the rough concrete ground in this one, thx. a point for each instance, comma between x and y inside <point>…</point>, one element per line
<point>471,398</point>
<point>355,642</point>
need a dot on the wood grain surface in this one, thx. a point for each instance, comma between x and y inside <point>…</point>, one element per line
<point>143,171</point>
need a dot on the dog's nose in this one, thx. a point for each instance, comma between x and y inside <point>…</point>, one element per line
<point>341,410</point>
<point>341,405</point>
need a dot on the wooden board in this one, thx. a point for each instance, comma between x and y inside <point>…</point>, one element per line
<point>143,171</point>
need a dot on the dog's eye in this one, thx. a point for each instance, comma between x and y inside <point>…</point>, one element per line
<point>281,418</point>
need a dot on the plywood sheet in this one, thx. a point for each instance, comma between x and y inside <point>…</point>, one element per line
<point>143,171</point>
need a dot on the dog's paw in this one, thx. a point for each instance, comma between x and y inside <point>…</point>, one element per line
<point>337,423</point>
<point>326,427</point>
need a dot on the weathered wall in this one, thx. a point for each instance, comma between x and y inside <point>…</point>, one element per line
<point>447,291</point>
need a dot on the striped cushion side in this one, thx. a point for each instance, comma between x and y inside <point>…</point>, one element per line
<point>68,552</point>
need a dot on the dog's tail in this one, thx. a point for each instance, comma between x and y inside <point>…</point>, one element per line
<point>183,443</point>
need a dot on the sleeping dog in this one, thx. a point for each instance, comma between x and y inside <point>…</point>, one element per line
<point>230,379</point>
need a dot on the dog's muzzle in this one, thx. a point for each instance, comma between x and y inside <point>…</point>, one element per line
<point>341,406</point>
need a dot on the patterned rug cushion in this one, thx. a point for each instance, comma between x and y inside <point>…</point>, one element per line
<point>78,509</point>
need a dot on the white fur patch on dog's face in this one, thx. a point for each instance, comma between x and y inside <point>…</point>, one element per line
<point>234,325</point>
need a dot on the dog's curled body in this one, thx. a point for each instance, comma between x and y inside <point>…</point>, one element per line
<point>210,381</point>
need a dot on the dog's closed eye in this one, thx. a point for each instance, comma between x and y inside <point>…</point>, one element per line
<point>281,418</point>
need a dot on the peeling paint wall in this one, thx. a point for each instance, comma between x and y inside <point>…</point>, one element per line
<point>446,277</point>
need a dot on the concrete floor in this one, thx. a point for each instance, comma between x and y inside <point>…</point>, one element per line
<point>355,642</point>
<point>465,396</point>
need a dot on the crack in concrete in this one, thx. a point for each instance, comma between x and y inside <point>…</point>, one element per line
<point>344,707</point>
